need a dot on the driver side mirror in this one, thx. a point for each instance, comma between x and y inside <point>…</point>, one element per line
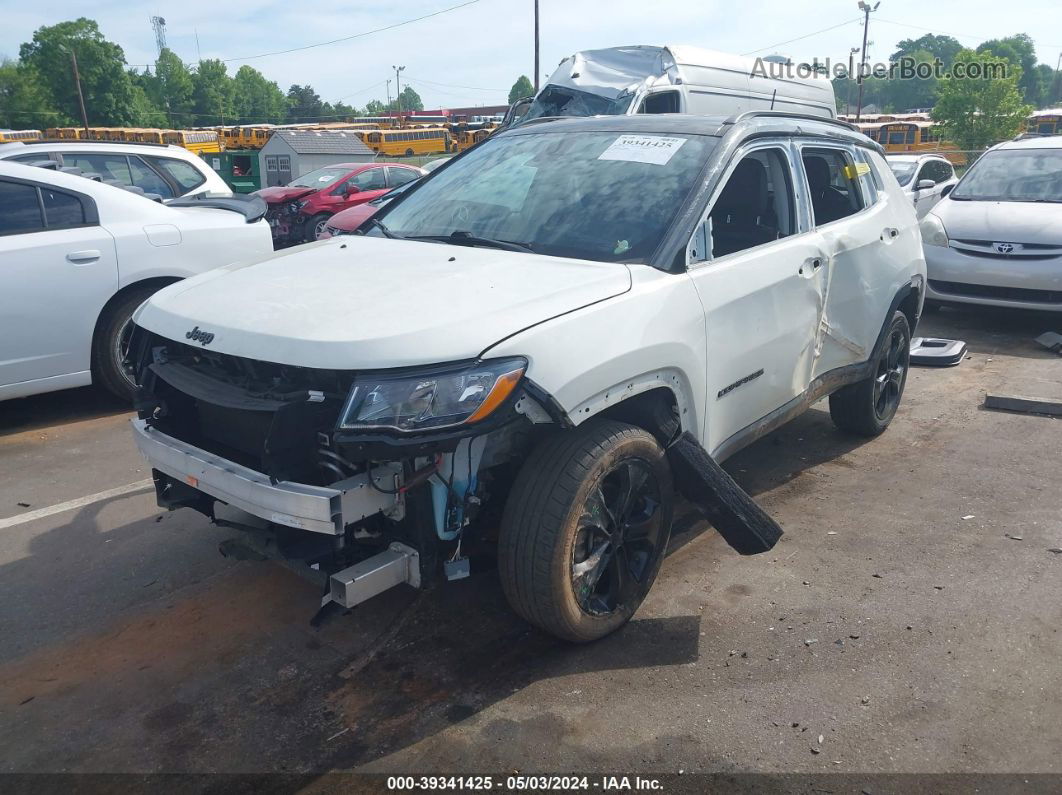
<point>349,189</point>
<point>946,190</point>
<point>925,184</point>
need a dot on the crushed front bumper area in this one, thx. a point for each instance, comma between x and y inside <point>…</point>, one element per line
<point>320,509</point>
<point>326,510</point>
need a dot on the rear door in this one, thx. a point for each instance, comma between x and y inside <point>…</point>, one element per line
<point>758,269</point>
<point>857,230</point>
<point>57,270</point>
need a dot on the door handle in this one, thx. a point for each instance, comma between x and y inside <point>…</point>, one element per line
<point>83,257</point>
<point>889,233</point>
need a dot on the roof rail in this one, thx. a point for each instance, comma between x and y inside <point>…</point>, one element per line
<point>782,114</point>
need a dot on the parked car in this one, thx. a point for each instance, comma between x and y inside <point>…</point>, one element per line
<point>299,211</point>
<point>167,171</point>
<point>996,238</point>
<point>924,178</point>
<point>78,256</point>
<point>525,333</point>
<point>346,221</point>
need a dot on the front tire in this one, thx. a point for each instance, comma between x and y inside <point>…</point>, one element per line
<point>314,227</point>
<point>585,529</point>
<point>867,407</point>
<point>111,344</point>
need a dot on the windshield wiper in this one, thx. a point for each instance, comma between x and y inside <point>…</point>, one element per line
<point>380,225</point>
<point>463,238</point>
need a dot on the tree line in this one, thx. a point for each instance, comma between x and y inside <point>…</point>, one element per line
<point>38,89</point>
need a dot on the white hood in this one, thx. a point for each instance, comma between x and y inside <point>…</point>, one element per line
<point>365,303</point>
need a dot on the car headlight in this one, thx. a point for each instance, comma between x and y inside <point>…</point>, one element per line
<point>933,232</point>
<point>294,207</point>
<point>431,399</point>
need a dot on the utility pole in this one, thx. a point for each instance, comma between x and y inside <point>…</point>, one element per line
<point>398,89</point>
<point>80,96</point>
<point>388,93</point>
<point>866,9</point>
<point>536,46</point>
<point>848,83</point>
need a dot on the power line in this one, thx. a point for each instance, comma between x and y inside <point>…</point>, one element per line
<point>954,35</point>
<point>451,85</point>
<point>801,38</point>
<point>354,36</point>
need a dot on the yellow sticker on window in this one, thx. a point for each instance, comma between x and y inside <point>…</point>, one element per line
<point>856,170</point>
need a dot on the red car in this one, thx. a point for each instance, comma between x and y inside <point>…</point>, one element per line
<point>299,210</point>
<point>345,222</point>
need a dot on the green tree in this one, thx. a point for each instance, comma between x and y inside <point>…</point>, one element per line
<point>1020,51</point>
<point>521,88</point>
<point>106,86</point>
<point>256,99</point>
<point>943,47</point>
<point>212,93</point>
<point>979,112</point>
<point>304,105</point>
<point>24,102</point>
<point>411,99</point>
<point>916,92</point>
<point>171,88</point>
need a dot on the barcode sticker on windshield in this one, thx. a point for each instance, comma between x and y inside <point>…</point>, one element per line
<point>655,149</point>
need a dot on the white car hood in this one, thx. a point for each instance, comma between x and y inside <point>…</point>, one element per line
<point>1002,222</point>
<point>362,302</point>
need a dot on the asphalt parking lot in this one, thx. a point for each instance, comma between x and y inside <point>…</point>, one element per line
<point>907,622</point>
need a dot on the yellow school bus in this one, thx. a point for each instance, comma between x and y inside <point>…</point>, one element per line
<point>64,133</point>
<point>912,136</point>
<point>19,135</point>
<point>1045,122</point>
<point>421,141</point>
<point>198,141</point>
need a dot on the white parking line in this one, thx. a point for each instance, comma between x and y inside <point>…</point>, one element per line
<point>71,505</point>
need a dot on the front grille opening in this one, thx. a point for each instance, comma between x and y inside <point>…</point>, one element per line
<point>270,417</point>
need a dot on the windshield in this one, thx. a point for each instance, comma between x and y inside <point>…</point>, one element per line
<point>903,170</point>
<point>379,201</point>
<point>1014,175</point>
<point>557,101</point>
<point>321,178</point>
<point>604,196</point>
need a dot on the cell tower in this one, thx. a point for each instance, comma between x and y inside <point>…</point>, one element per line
<point>159,24</point>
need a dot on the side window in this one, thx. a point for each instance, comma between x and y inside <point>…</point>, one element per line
<point>109,167</point>
<point>663,102</point>
<point>400,176</point>
<point>937,170</point>
<point>61,210</point>
<point>867,177</point>
<point>271,163</point>
<point>184,174</point>
<point>34,158</point>
<point>755,206</point>
<point>832,182</point>
<point>144,177</point>
<point>20,211</point>
<point>370,179</point>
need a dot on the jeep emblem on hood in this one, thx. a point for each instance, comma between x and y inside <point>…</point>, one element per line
<point>195,335</point>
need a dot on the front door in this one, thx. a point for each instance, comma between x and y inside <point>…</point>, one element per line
<point>57,270</point>
<point>758,270</point>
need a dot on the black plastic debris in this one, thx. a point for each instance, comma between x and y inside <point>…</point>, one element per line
<point>935,352</point>
<point>1052,341</point>
<point>740,521</point>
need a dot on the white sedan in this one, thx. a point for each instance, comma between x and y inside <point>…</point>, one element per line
<point>77,257</point>
<point>925,179</point>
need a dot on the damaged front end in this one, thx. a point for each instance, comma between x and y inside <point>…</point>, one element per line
<point>358,481</point>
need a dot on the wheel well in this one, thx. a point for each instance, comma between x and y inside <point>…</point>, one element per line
<point>909,306</point>
<point>157,283</point>
<point>656,410</point>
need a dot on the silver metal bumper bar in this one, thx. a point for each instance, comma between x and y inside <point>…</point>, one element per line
<point>321,509</point>
<point>362,581</point>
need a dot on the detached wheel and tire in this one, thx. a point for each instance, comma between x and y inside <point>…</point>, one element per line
<point>111,344</point>
<point>585,529</point>
<point>866,408</point>
<point>314,227</point>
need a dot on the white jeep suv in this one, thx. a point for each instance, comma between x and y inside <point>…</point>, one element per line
<point>522,335</point>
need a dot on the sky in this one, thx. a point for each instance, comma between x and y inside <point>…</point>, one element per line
<point>472,55</point>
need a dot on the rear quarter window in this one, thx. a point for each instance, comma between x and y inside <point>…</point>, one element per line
<point>184,174</point>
